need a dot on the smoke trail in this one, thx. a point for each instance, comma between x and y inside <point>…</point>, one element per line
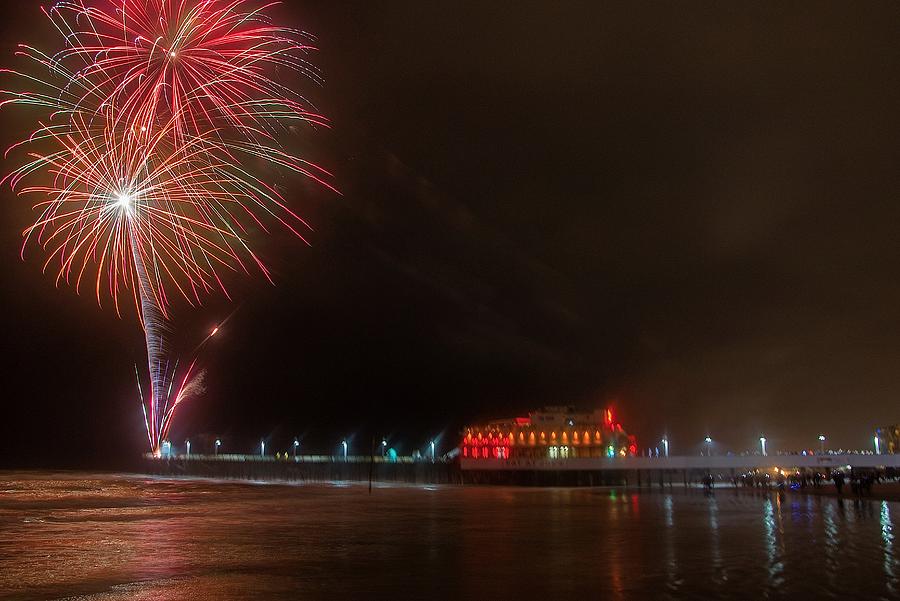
<point>153,322</point>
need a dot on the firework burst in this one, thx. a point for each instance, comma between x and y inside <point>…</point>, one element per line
<point>207,62</point>
<point>152,109</point>
<point>148,216</point>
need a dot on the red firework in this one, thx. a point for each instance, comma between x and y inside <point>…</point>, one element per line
<point>206,62</point>
<point>153,107</point>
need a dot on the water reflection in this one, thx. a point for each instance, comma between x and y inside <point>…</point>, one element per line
<point>890,559</point>
<point>668,513</point>
<point>673,580</point>
<point>614,555</point>
<point>773,529</point>
<point>719,573</point>
<point>107,538</point>
<point>832,543</point>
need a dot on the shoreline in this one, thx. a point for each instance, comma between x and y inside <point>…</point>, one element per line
<point>885,491</point>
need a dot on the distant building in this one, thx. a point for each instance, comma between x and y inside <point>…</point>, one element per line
<point>551,433</point>
<point>889,439</point>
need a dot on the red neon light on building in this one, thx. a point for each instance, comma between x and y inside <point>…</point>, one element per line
<point>554,433</point>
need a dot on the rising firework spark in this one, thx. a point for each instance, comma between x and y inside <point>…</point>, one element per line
<point>151,109</point>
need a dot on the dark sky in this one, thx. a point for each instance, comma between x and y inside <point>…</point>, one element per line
<point>686,210</point>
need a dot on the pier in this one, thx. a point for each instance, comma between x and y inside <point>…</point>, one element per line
<point>307,468</point>
<point>587,471</point>
<point>663,471</point>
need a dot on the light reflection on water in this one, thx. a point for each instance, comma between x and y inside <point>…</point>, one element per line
<point>890,559</point>
<point>832,544</point>
<point>773,534</point>
<point>673,581</point>
<point>112,538</point>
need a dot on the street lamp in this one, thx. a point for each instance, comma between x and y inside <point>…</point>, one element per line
<point>665,442</point>
<point>821,444</point>
<point>188,445</point>
<point>877,445</point>
<point>218,444</point>
<point>344,444</point>
<point>296,444</point>
<point>432,451</point>
<point>383,447</point>
<point>262,448</point>
<point>762,444</point>
<point>708,442</point>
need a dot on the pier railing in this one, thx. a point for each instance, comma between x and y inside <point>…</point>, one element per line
<point>241,458</point>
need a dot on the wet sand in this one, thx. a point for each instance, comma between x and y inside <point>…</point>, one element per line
<point>108,537</point>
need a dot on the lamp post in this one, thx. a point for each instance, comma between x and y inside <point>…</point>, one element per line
<point>877,445</point>
<point>344,444</point>
<point>821,444</point>
<point>762,444</point>
<point>218,444</point>
<point>262,448</point>
<point>665,442</point>
<point>296,444</point>
<point>187,443</point>
<point>708,442</point>
<point>383,447</point>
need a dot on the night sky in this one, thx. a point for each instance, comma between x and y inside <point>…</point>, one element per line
<point>687,211</point>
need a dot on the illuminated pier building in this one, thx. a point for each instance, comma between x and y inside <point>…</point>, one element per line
<point>551,433</point>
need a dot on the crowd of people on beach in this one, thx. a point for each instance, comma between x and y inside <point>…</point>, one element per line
<point>860,482</point>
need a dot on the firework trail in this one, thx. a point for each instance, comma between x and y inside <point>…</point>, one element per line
<point>150,112</point>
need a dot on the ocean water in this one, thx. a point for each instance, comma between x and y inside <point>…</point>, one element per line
<point>116,537</point>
